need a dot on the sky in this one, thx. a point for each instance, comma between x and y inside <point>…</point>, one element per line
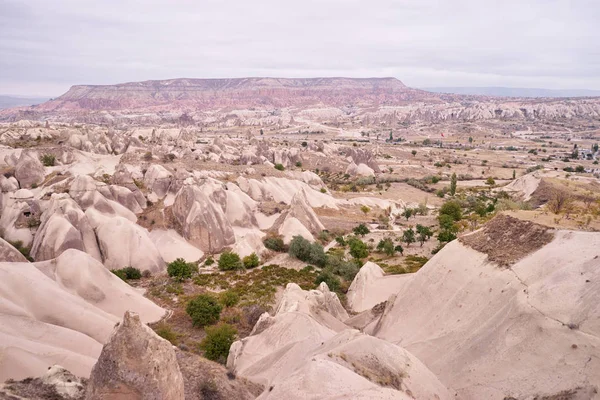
<point>47,46</point>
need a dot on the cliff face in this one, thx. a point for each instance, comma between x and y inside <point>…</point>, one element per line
<point>242,93</point>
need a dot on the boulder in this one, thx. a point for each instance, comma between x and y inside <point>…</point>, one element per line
<point>136,364</point>
<point>29,170</point>
<point>9,253</point>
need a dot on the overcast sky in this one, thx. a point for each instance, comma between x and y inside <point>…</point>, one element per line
<point>47,46</point>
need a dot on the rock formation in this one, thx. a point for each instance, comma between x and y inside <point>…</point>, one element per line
<point>136,364</point>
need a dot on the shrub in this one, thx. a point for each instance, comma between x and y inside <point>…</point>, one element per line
<point>365,209</point>
<point>358,248</point>
<point>340,240</point>
<point>181,270</point>
<point>332,281</point>
<point>49,160</point>
<point>204,310</point>
<point>209,261</point>
<point>452,209</point>
<point>229,298</point>
<point>323,190</point>
<point>127,273</point>
<point>298,164</point>
<point>279,167</point>
<point>304,250</point>
<point>217,342</point>
<point>251,261</point>
<point>230,261</point>
<point>386,246</point>
<point>343,268</point>
<point>165,332</point>
<point>361,230</point>
<point>275,243</point>
<point>147,156</point>
<point>399,249</point>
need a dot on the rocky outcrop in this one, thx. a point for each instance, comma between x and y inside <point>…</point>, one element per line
<point>29,170</point>
<point>305,351</point>
<point>200,214</point>
<point>136,364</point>
<point>9,253</point>
<point>371,287</point>
<point>63,226</point>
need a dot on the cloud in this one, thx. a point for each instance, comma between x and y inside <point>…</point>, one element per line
<point>45,47</point>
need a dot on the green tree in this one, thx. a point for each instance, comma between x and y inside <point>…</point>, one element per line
<point>279,167</point>
<point>365,209</point>
<point>204,310</point>
<point>490,181</point>
<point>217,342</point>
<point>408,236</point>
<point>181,270</point>
<point>251,261</point>
<point>306,251</point>
<point>361,230</point>
<point>332,281</point>
<point>414,153</point>
<point>470,139</point>
<point>453,182</point>
<point>230,261</point>
<point>424,233</point>
<point>275,243</point>
<point>391,137</point>
<point>399,249</point>
<point>453,209</point>
<point>358,248</point>
<point>386,246</point>
<point>514,174</point>
<point>407,213</point>
<point>595,147</point>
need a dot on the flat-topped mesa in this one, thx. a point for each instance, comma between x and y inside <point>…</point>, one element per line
<point>236,92</point>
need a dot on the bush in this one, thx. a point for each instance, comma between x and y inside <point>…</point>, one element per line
<point>358,248</point>
<point>251,261</point>
<point>298,164</point>
<point>204,310</point>
<point>343,268</point>
<point>181,270</point>
<point>452,208</point>
<point>229,298</point>
<point>230,261</point>
<point>275,243</point>
<point>165,332</point>
<point>386,246</point>
<point>361,230</point>
<point>49,160</point>
<point>217,342</point>
<point>304,250</point>
<point>279,167</point>
<point>127,273</point>
<point>209,261</point>
<point>332,281</point>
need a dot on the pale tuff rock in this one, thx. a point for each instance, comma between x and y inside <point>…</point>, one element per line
<point>124,243</point>
<point>371,287</point>
<point>540,311</point>
<point>305,351</point>
<point>158,180</point>
<point>360,169</point>
<point>76,304</point>
<point>136,364</point>
<point>29,170</point>
<point>63,226</point>
<point>201,216</point>
<point>64,382</point>
<point>299,219</point>
<point>9,254</point>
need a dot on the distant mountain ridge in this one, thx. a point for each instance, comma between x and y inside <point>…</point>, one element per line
<point>515,92</point>
<point>235,92</point>
<point>7,101</point>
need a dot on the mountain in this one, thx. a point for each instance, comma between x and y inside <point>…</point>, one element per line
<point>515,92</point>
<point>16,101</point>
<point>238,92</point>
